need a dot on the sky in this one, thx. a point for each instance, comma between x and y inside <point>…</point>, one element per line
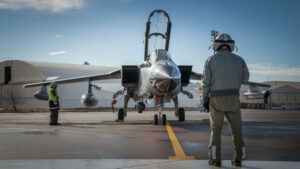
<point>111,32</point>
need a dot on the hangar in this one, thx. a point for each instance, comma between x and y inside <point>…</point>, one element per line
<point>285,95</point>
<point>16,73</point>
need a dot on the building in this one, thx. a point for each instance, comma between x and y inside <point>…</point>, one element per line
<point>277,84</point>
<point>16,73</point>
<point>284,95</point>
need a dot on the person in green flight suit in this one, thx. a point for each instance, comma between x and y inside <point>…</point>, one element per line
<point>224,72</point>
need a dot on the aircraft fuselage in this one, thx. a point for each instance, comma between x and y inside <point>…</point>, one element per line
<point>159,75</point>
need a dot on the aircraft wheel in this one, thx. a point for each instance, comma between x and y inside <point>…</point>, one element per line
<point>181,114</point>
<point>164,119</point>
<point>121,114</point>
<point>141,107</point>
<point>155,122</point>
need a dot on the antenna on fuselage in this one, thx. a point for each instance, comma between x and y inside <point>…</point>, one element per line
<point>148,35</point>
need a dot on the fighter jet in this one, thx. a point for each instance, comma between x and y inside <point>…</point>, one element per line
<point>158,77</point>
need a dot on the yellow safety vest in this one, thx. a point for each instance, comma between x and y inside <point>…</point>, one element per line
<point>53,96</point>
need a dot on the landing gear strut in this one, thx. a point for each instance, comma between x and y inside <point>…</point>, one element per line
<point>123,111</point>
<point>160,117</point>
<point>179,112</point>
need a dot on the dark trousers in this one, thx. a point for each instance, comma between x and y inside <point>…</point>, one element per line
<point>54,116</point>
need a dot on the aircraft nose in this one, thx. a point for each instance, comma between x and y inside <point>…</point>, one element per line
<point>165,78</point>
<point>165,85</point>
<point>165,71</point>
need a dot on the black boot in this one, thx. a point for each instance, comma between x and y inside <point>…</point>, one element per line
<point>215,163</point>
<point>52,118</point>
<point>236,163</point>
<point>56,118</point>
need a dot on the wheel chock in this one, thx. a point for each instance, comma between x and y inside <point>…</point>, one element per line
<point>206,120</point>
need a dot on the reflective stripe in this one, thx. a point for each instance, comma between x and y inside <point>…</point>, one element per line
<point>213,153</point>
<point>226,92</point>
<point>244,153</point>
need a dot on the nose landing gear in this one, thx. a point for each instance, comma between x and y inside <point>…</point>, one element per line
<point>160,117</point>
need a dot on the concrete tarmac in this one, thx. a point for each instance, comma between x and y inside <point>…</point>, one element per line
<point>270,135</point>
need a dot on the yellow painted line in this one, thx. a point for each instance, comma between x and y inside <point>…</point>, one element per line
<point>179,153</point>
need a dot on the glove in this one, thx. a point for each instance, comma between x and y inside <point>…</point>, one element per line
<point>206,103</point>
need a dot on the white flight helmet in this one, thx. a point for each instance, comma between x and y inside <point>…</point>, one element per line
<point>223,39</point>
<point>53,84</point>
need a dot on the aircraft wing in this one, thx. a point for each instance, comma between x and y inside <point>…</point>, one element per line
<point>116,74</point>
<point>257,84</point>
<point>196,76</point>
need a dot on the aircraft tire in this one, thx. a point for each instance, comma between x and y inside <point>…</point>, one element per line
<point>164,119</point>
<point>155,121</point>
<point>181,114</point>
<point>121,114</point>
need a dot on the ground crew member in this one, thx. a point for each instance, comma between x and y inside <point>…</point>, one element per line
<point>224,72</point>
<point>53,104</point>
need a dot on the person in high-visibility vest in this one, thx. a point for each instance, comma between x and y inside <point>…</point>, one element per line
<point>53,104</point>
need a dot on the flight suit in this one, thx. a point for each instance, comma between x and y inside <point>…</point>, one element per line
<point>223,75</point>
<point>53,105</point>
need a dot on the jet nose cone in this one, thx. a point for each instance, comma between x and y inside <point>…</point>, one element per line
<point>165,71</point>
<point>165,78</point>
<point>166,74</point>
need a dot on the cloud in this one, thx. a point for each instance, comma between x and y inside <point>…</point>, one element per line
<point>57,53</point>
<point>50,5</point>
<point>270,69</point>
<point>58,36</point>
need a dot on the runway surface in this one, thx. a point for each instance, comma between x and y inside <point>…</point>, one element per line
<point>270,135</point>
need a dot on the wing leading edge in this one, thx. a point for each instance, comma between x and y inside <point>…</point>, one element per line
<point>116,74</point>
<point>196,76</point>
<point>257,84</point>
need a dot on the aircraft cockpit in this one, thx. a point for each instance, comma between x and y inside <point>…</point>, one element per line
<point>160,55</point>
<point>157,36</point>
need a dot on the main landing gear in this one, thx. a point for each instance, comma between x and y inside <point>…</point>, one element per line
<point>123,111</point>
<point>121,114</point>
<point>179,112</point>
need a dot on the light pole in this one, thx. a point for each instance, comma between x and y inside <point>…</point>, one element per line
<point>213,34</point>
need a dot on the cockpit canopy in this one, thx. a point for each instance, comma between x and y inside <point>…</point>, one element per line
<point>160,55</point>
